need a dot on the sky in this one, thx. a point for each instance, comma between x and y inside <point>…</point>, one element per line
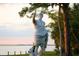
<point>13,28</point>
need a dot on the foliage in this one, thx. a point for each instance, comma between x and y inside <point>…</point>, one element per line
<point>75,28</point>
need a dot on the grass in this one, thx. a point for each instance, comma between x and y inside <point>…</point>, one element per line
<point>50,53</point>
<point>46,53</point>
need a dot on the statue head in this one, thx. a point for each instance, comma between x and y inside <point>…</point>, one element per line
<point>40,15</point>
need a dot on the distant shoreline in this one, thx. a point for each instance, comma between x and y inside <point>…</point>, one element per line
<point>21,45</point>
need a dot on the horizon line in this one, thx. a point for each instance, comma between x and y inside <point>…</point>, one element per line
<point>22,44</point>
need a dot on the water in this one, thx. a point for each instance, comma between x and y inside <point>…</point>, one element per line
<point>23,49</point>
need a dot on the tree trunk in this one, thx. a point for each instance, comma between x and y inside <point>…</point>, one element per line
<point>66,29</point>
<point>60,36</point>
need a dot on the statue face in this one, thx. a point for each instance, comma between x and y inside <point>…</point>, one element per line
<point>40,16</point>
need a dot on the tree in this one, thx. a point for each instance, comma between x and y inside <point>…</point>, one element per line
<point>74,28</point>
